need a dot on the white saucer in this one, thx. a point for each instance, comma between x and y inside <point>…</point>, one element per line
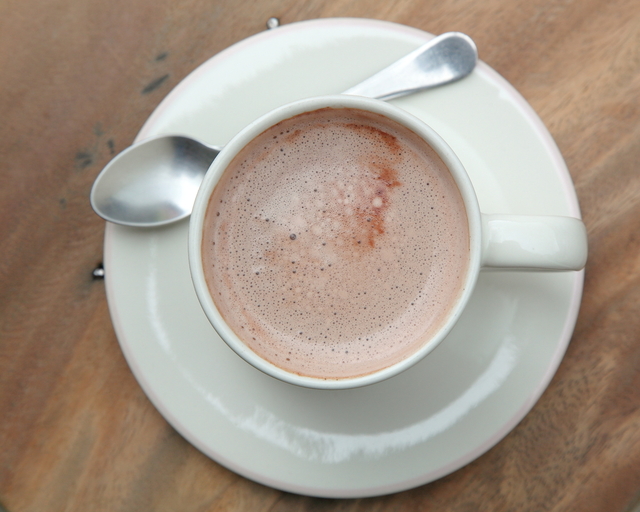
<point>414,428</point>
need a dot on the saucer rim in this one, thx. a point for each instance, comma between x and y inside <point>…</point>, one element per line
<point>565,336</point>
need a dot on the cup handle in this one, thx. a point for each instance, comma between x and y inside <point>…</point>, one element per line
<point>532,242</point>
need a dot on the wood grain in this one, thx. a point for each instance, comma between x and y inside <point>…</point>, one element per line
<point>78,80</point>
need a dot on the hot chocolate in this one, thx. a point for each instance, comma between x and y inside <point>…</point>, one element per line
<point>336,243</point>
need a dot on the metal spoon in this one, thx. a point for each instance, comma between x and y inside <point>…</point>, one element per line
<point>156,181</point>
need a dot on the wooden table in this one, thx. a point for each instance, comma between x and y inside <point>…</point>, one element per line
<point>77,81</point>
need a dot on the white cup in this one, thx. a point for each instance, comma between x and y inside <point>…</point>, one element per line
<point>543,243</point>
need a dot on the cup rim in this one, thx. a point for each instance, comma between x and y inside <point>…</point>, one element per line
<point>251,131</point>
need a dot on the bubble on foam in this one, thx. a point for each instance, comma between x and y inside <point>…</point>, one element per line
<point>336,265</point>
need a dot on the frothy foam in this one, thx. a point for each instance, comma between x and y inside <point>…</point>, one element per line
<point>335,243</point>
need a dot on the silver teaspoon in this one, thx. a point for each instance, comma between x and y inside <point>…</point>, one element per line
<point>155,182</point>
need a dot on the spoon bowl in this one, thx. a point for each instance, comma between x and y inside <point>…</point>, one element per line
<point>152,183</point>
<point>155,182</point>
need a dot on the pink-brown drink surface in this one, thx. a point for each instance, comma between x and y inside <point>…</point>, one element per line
<point>336,243</point>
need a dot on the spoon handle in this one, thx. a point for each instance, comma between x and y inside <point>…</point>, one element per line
<point>444,59</point>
